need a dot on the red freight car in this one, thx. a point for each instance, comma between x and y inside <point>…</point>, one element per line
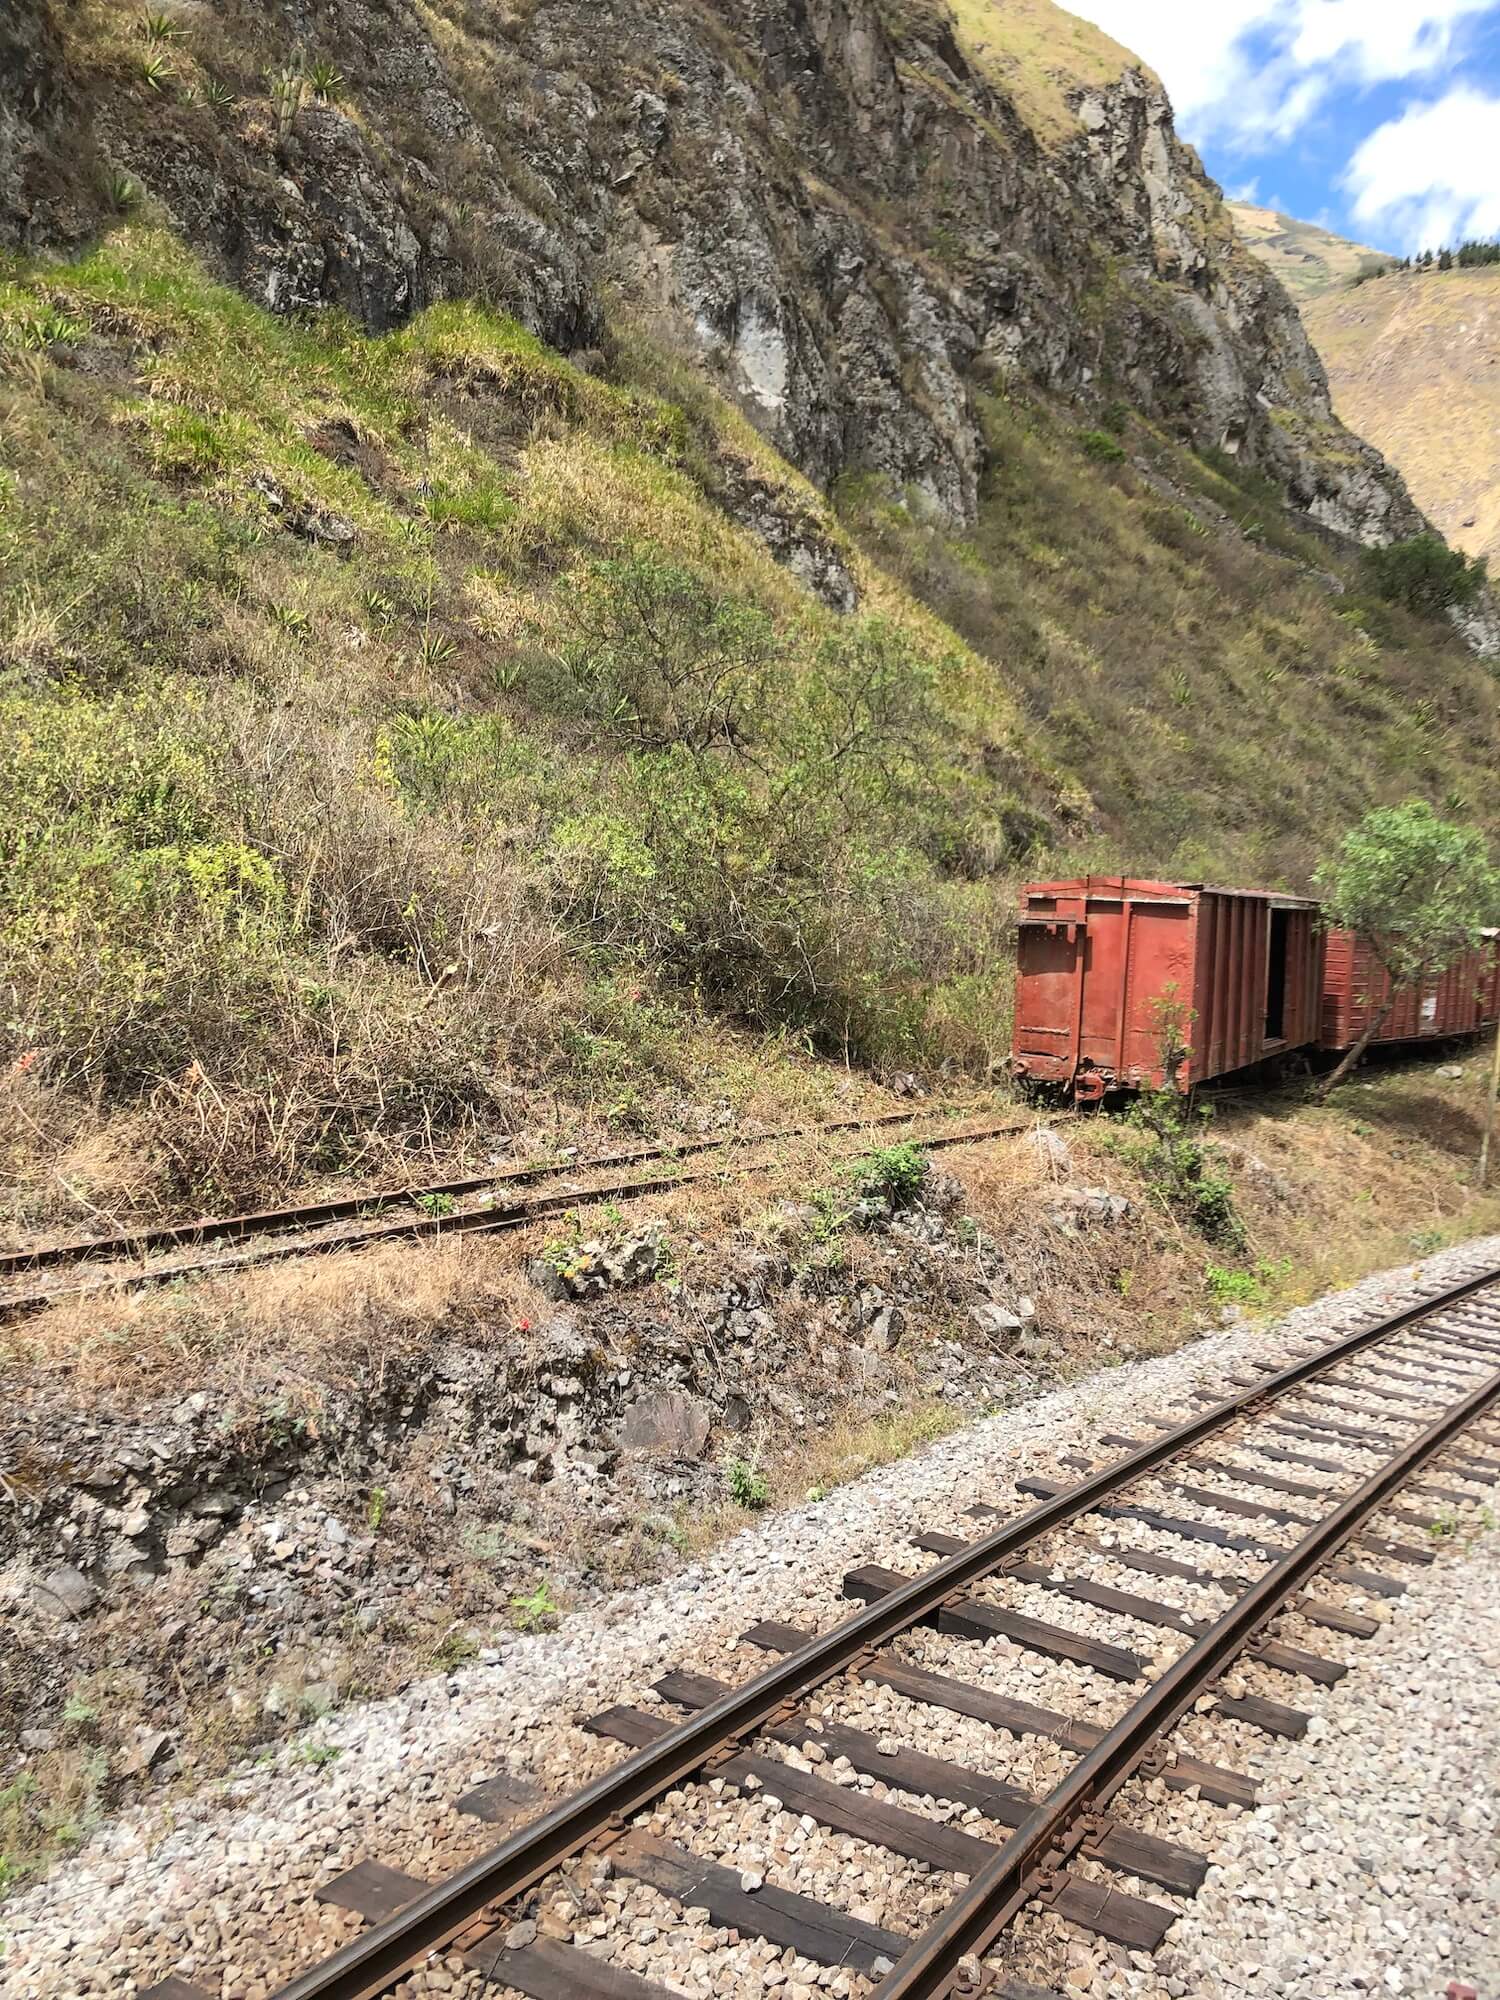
<point>1096,953</point>
<point>1462,1001</point>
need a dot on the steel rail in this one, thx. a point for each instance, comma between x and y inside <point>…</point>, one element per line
<point>309,1215</point>
<point>1029,1862</point>
<point>370,1963</point>
<point>513,1215</point>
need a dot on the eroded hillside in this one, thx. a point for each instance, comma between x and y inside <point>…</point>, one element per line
<point>538,586</point>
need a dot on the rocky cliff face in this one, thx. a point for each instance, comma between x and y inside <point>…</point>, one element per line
<point>841,208</point>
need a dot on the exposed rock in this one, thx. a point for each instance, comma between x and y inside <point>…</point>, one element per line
<point>1072,1209</point>
<point>66,1593</point>
<point>774,213</point>
<point>886,1329</point>
<point>667,1424</point>
<point>148,1748</point>
<point>995,1322</point>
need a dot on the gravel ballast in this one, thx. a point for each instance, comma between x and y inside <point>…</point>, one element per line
<point>1395,1783</point>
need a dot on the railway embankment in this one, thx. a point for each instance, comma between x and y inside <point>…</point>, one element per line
<point>247,1498</point>
<point>1358,1868</point>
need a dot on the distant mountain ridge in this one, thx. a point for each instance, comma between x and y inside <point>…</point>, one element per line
<point>1413,362</point>
<point>1308,260</point>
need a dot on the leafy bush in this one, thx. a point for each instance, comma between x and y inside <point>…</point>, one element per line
<point>655,657</point>
<point>747,1486</point>
<point>1161,1138</point>
<point>1248,1288</point>
<point>769,853</point>
<point>1425,575</point>
<point>896,1174</point>
<point>1101,446</point>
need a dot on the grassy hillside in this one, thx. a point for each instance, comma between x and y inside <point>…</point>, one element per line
<point>1414,365</point>
<point>1037,53</point>
<point>403,745</point>
<point>1308,260</point>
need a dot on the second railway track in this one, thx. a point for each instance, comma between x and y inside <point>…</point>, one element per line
<point>1251,1538</point>
<point>36,1276</point>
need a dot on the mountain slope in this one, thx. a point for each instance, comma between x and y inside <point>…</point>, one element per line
<point>1308,260</point>
<point>537,588</point>
<point>1414,365</point>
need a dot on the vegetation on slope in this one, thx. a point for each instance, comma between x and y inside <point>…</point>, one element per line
<point>1308,260</point>
<point>1410,364</point>
<point>1228,690</point>
<point>379,713</point>
<point>397,729</point>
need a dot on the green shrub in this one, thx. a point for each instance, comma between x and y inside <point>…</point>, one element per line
<point>1101,446</point>
<point>1425,575</point>
<point>1161,1138</point>
<point>747,1486</point>
<point>769,853</point>
<point>896,1174</point>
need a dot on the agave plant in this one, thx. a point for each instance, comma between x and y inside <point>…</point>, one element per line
<point>154,70</point>
<point>159,26</point>
<point>325,81</point>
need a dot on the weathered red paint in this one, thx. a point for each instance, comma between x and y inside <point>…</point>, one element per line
<point>1461,1001</point>
<point>1100,954</point>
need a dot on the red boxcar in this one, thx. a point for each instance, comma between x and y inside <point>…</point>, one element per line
<point>1462,1001</point>
<point>1096,953</point>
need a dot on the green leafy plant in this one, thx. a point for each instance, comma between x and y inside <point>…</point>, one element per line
<point>1246,1287</point>
<point>537,1611</point>
<point>379,1506</point>
<point>1100,446</point>
<point>1425,575</point>
<point>436,1205</point>
<point>1161,1136</point>
<point>156,71</point>
<point>748,1486</point>
<point>325,81</point>
<point>317,1754</point>
<point>291,619</point>
<point>44,326</point>
<point>122,192</point>
<point>894,1173</point>
<point>156,26</point>
<point>1417,891</point>
<point>216,94</point>
<point>435,648</point>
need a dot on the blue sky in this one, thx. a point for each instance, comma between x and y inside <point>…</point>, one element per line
<point>1378,118</point>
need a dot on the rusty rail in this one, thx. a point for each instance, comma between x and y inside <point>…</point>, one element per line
<point>369,1964</point>
<point>512,1215</point>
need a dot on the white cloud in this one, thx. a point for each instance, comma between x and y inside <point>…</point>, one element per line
<point>1431,176</point>
<point>1254,71</point>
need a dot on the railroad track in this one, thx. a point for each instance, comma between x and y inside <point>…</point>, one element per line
<point>1303,1497</point>
<point>355,1222</point>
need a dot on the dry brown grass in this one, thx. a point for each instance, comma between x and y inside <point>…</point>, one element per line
<point>1409,361</point>
<point>1326,1195</point>
<point>299,1330</point>
<point>314,1325</point>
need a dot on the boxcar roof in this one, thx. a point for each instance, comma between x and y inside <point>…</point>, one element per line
<point>1135,885</point>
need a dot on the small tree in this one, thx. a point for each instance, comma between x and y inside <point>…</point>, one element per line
<point>1425,575</point>
<point>1416,890</point>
